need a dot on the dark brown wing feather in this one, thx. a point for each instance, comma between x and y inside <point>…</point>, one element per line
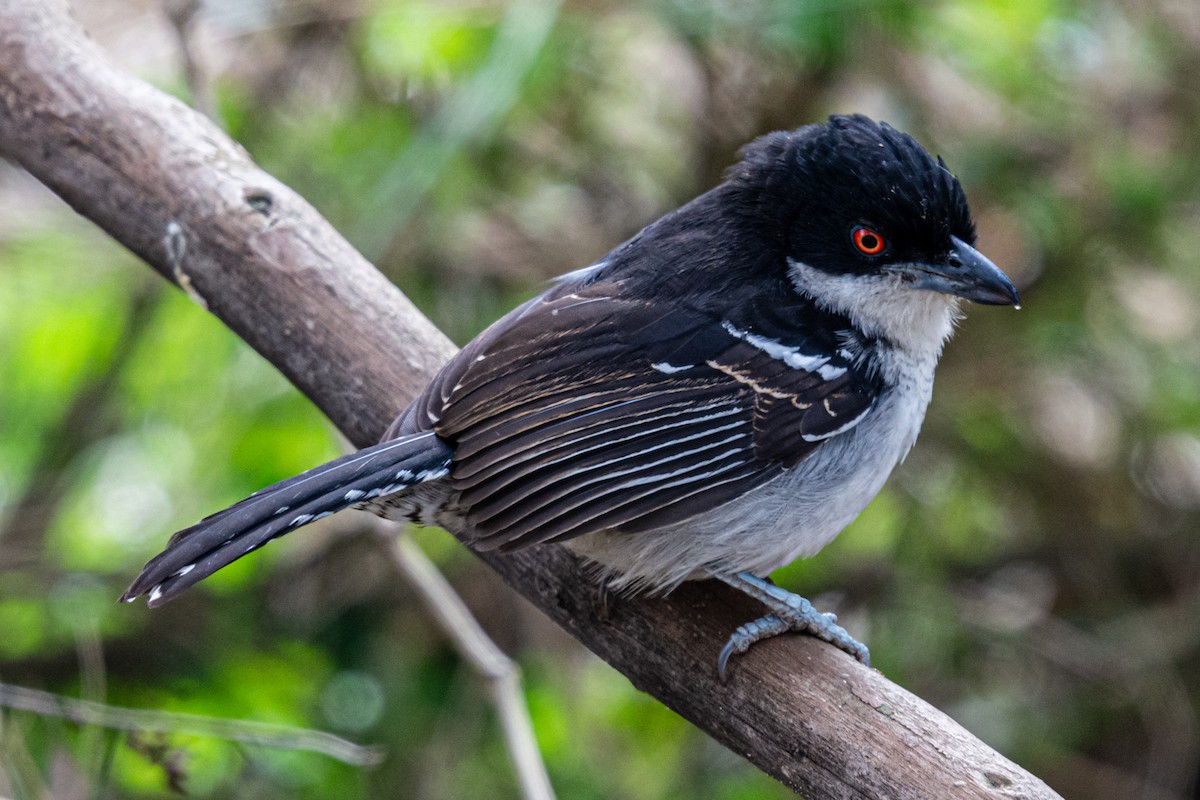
<point>582,411</point>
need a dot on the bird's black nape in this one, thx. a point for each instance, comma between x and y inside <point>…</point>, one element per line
<point>822,181</point>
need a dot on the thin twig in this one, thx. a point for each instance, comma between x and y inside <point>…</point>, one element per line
<point>182,14</point>
<point>94,741</point>
<point>502,674</point>
<point>284,737</point>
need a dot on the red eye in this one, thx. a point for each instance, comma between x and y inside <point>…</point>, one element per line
<point>868,241</point>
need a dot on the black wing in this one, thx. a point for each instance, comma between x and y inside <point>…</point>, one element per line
<point>583,411</point>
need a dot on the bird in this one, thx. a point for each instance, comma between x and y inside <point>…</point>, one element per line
<point>718,396</point>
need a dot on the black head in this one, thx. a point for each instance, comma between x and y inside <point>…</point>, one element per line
<point>853,196</point>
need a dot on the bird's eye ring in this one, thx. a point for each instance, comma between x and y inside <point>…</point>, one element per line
<point>868,242</point>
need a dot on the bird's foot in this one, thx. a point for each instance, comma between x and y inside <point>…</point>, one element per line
<point>789,612</point>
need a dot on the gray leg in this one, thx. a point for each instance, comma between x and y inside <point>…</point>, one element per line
<point>789,612</point>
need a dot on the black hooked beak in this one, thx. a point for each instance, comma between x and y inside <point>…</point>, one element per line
<point>964,272</point>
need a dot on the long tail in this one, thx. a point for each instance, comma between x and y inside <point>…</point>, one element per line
<point>194,553</point>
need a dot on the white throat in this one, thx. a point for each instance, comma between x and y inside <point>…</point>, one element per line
<point>916,321</point>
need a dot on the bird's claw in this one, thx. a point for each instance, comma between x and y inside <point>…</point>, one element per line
<point>789,612</point>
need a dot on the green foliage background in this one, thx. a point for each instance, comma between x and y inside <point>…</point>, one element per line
<point>1033,568</point>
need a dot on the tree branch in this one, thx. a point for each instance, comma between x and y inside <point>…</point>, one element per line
<point>169,185</point>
